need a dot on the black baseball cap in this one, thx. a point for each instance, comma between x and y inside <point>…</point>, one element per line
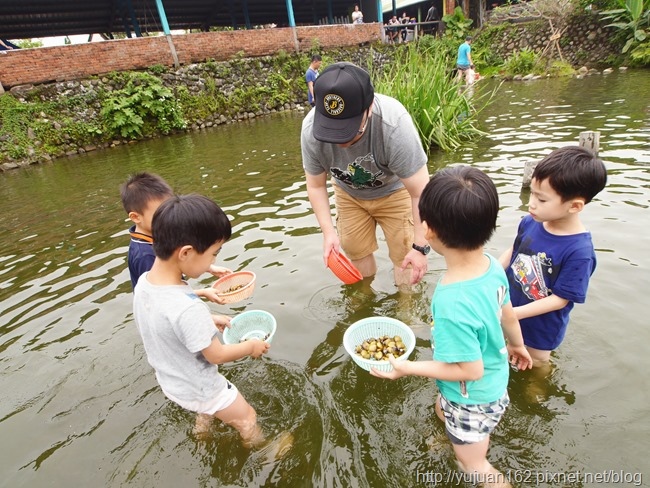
<point>342,94</point>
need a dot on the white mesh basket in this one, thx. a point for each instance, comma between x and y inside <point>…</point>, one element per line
<point>375,327</point>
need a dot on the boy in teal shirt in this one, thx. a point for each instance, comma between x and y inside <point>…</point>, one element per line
<point>472,312</point>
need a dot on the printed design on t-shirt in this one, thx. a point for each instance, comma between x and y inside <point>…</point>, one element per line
<point>357,176</point>
<point>528,271</point>
<point>501,296</point>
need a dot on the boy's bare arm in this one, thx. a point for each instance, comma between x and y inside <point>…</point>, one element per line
<point>517,353</point>
<point>467,371</point>
<point>218,353</point>
<point>209,293</point>
<point>539,307</point>
<point>505,258</point>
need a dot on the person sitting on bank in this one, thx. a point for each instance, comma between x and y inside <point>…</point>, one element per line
<point>392,30</point>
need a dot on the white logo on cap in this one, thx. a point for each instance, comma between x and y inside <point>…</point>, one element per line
<point>334,104</point>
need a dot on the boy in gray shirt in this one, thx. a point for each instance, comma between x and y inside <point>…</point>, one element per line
<point>178,331</point>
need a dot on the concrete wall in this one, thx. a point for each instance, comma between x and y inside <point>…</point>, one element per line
<point>77,61</point>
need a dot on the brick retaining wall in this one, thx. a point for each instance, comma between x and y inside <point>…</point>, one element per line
<point>77,61</point>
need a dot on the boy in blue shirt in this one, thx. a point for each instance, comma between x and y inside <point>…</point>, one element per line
<point>553,258</point>
<point>471,312</point>
<point>141,196</point>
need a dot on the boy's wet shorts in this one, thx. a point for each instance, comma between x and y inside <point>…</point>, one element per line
<point>224,398</point>
<point>468,424</point>
<point>356,223</point>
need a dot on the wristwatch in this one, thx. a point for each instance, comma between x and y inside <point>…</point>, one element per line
<point>423,249</point>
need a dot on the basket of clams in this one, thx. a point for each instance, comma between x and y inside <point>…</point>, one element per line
<point>369,341</point>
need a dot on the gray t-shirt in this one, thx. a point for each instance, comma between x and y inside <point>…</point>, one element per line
<point>389,150</point>
<point>176,326</point>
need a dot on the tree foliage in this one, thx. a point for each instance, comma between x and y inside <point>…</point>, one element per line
<point>633,19</point>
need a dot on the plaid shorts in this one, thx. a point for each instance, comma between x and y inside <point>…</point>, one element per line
<point>468,424</point>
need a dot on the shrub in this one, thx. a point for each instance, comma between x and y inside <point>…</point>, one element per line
<point>640,55</point>
<point>560,68</point>
<point>141,107</point>
<point>158,69</point>
<point>457,25</point>
<point>521,62</point>
<point>633,18</point>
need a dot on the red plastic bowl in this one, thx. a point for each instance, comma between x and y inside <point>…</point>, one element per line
<point>343,268</point>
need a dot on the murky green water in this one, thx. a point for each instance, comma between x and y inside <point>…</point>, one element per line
<point>80,405</point>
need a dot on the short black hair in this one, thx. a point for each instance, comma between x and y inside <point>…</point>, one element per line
<point>142,188</point>
<point>192,220</point>
<point>316,57</point>
<point>460,204</point>
<point>468,38</point>
<point>573,172</point>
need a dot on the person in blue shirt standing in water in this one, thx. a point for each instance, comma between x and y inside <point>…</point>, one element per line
<point>464,61</point>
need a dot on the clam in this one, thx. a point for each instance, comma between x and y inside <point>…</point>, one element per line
<point>378,348</point>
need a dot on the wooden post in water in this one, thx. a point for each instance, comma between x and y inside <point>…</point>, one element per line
<point>528,173</point>
<point>588,139</point>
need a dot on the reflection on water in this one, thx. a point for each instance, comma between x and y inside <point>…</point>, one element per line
<point>80,403</point>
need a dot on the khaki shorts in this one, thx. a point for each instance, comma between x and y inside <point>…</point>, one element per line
<point>356,223</point>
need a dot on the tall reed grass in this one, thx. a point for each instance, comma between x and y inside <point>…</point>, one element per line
<point>445,113</point>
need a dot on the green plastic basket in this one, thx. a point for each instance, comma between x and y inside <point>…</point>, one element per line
<point>251,324</point>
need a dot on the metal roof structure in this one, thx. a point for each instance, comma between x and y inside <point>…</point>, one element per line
<point>24,19</point>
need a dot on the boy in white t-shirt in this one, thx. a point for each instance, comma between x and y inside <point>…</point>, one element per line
<point>178,331</point>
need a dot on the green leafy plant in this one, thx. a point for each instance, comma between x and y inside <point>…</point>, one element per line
<point>144,101</point>
<point>210,65</point>
<point>560,68</point>
<point>521,62</point>
<point>456,24</point>
<point>444,115</point>
<point>633,18</point>
<point>29,43</point>
<point>445,45</point>
<point>598,4</point>
<point>158,69</point>
<point>640,55</point>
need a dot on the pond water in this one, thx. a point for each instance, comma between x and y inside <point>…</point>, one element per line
<point>80,404</point>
